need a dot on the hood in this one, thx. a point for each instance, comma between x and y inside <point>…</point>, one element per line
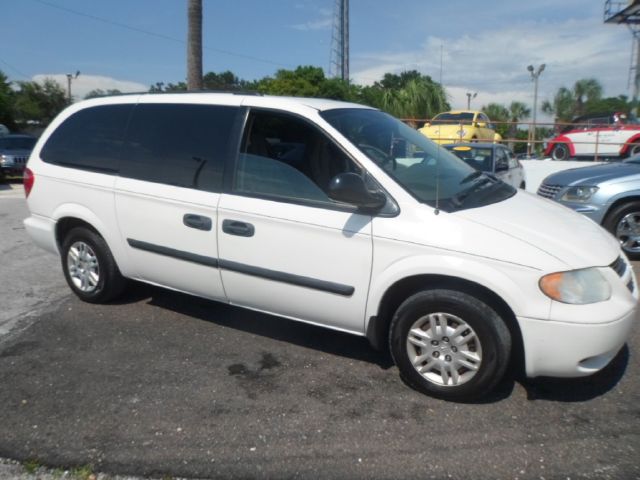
<point>593,175</point>
<point>571,238</point>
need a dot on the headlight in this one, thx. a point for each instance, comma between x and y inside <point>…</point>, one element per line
<point>579,194</point>
<point>461,133</point>
<point>577,287</point>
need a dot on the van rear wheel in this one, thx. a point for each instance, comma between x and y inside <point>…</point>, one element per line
<point>89,267</point>
<point>449,344</point>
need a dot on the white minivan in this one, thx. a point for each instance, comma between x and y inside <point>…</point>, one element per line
<point>333,214</point>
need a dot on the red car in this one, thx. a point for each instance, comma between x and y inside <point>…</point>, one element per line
<point>612,135</point>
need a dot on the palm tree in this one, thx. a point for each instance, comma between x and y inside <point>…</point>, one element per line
<point>517,111</point>
<point>586,90</point>
<point>194,46</point>
<point>568,104</point>
<point>418,98</point>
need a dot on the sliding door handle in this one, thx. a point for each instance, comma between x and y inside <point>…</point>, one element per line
<point>199,222</point>
<point>241,229</point>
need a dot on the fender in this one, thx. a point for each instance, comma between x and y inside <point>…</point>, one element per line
<point>561,139</point>
<point>625,147</point>
<point>522,296</point>
<point>83,213</point>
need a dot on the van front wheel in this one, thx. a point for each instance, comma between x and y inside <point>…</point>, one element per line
<point>449,344</point>
<point>89,266</point>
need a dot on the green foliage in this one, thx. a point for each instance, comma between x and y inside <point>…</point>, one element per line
<point>584,97</point>
<point>98,92</point>
<point>160,87</point>
<point>6,102</point>
<point>39,103</point>
<point>409,95</point>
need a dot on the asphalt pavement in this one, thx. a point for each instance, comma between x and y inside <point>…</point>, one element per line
<point>166,384</point>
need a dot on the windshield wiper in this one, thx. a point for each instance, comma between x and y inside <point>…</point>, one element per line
<point>459,198</point>
<point>471,176</point>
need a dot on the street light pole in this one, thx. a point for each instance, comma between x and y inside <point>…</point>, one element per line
<point>70,77</point>
<point>532,127</point>
<point>469,97</point>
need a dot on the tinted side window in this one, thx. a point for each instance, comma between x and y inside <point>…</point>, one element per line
<point>283,156</point>
<point>89,139</point>
<point>177,144</point>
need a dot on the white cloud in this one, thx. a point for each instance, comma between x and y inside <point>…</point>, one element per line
<point>493,62</point>
<point>85,83</point>
<point>320,24</point>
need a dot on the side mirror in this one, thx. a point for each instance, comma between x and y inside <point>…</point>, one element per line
<point>350,188</point>
<point>502,166</point>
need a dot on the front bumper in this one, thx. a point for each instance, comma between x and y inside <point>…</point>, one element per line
<point>561,349</point>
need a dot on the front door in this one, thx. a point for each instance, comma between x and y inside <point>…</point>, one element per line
<point>284,246</point>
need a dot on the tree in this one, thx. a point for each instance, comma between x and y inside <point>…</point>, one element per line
<point>407,95</point>
<point>98,92</point>
<point>39,102</point>
<point>517,111</point>
<point>568,104</point>
<point>160,87</point>
<point>194,46</point>
<point>498,113</point>
<point>7,98</point>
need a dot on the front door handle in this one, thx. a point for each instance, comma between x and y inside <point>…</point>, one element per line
<point>241,229</point>
<point>199,222</point>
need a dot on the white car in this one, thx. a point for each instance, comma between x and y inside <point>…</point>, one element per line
<point>607,136</point>
<point>333,214</point>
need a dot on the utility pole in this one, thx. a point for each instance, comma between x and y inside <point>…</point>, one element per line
<point>194,46</point>
<point>71,77</point>
<point>532,127</point>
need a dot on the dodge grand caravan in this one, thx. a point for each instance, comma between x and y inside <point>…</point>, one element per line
<point>333,214</point>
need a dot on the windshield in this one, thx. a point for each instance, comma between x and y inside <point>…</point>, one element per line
<point>480,158</point>
<point>453,119</point>
<point>430,173</point>
<point>17,143</point>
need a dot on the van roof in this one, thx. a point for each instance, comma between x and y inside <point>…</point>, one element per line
<point>227,98</point>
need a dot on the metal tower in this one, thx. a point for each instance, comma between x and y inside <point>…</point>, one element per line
<point>628,13</point>
<point>339,66</point>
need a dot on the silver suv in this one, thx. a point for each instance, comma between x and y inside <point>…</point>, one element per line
<point>14,153</point>
<point>608,194</point>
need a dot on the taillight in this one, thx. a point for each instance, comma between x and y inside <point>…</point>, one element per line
<point>28,179</point>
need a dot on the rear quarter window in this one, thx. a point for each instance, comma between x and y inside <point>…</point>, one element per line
<point>90,139</point>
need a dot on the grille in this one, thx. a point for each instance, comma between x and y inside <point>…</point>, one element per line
<point>548,191</point>
<point>20,160</point>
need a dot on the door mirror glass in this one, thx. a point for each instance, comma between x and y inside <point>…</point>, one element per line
<point>350,188</point>
<point>502,165</point>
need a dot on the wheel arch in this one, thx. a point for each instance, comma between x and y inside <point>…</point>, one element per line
<point>561,139</point>
<point>377,329</point>
<point>68,216</point>
<point>627,198</point>
<point>625,150</point>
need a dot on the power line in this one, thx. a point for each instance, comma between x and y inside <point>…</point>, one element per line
<point>21,74</point>
<point>155,34</point>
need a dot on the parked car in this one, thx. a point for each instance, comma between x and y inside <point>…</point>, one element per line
<point>609,194</point>
<point>460,126</point>
<point>613,135</point>
<point>359,224</point>
<point>491,158</point>
<point>14,152</point>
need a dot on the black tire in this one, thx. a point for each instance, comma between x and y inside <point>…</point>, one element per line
<point>560,152</point>
<point>616,222</point>
<point>108,283</point>
<point>492,337</point>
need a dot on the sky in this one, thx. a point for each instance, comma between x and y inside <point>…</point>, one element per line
<point>472,46</point>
